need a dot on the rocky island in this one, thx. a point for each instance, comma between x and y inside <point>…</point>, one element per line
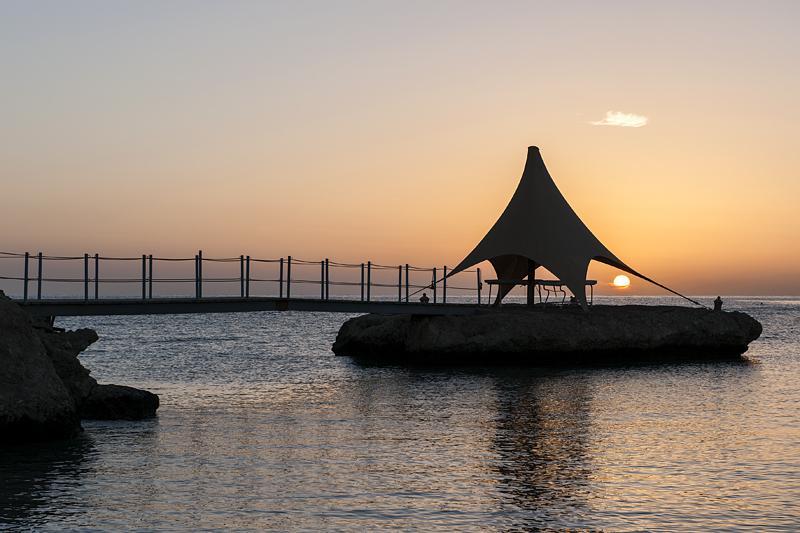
<point>44,389</point>
<point>546,335</point>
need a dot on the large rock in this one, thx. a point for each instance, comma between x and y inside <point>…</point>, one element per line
<point>117,402</point>
<point>62,348</point>
<point>550,334</point>
<point>44,389</point>
<point>93,401</point>
<point>34,402</point>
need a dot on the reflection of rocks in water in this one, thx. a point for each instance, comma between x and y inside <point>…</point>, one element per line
<point>529,456</point>
<point>34,476</point>
<point>109,472</point>
<point>541,441</point>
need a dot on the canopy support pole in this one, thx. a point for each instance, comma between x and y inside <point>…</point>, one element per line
<point>531,281</point>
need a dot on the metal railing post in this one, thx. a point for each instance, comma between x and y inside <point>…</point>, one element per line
<point>369,280</point>
<point>196,276</point>
<point>327,279</point>
<point>280,280</point>
<point>241,276</point>
<point>406,282</point>
<point>96,276</point>
<point>144,276</point>
<point>444,285</point>
<point>399,283</point>
<point>247,277</point>
<point>25,276</point>
<point>39,278</point>
<point>288,277</point>
<point>150,276</point>
<point>480,286</point>
<point>25,282</point>
<point>200,273</point>
<point>434,284</point>
<point>362,282</point>
<point>322,280</point>
<point>85,276</point>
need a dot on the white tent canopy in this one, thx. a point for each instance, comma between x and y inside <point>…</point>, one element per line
<point>539,225</point>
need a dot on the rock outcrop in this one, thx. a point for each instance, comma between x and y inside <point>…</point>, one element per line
<point>547,335</point>
<point>62,348</point>
<point>118,402</point>
<point>34,402</point>
<point>44,389</point>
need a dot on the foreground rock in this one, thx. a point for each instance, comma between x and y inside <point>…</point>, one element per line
<point>117,402</point>
<point>34,402</point>
<point>44,389</point>
<point>548,335</point>
<point>62,348</point>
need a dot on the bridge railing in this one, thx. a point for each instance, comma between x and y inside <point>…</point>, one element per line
<point>284,277</point>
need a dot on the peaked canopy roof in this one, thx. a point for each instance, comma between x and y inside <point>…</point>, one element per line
<point>538,224</point>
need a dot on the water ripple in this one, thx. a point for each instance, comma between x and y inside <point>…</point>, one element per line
<point>261,427</point>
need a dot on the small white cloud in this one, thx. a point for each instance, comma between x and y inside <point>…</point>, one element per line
<point>624,120</point>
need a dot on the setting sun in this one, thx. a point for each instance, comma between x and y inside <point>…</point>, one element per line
<point>621,281</point>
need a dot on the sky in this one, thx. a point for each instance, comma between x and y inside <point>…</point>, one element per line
<point>397,132</point>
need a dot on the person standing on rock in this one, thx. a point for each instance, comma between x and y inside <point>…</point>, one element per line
<point>718,304</point>
<point>424,298</point>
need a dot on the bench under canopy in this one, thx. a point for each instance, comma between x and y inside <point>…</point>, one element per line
<point>550,286</point>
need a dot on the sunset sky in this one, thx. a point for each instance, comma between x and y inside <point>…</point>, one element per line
<point>397,132</point>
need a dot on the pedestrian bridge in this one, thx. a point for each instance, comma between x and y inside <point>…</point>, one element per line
<point>238,284</point>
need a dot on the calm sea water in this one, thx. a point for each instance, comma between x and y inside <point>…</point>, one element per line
<point>262,427</point>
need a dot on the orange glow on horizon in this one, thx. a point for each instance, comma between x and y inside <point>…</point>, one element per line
<point>404,145</point>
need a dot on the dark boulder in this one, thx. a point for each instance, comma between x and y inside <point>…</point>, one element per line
<point>34,402</point>
<point>92,400</point>
<point>117,402</point>
<point>62,348</point>
<point>45,390</point>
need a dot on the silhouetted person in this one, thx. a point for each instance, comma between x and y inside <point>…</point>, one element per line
<point>718,304</point>
<point>424,298</point>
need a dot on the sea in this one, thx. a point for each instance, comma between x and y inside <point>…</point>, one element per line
<point>262,427</point>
